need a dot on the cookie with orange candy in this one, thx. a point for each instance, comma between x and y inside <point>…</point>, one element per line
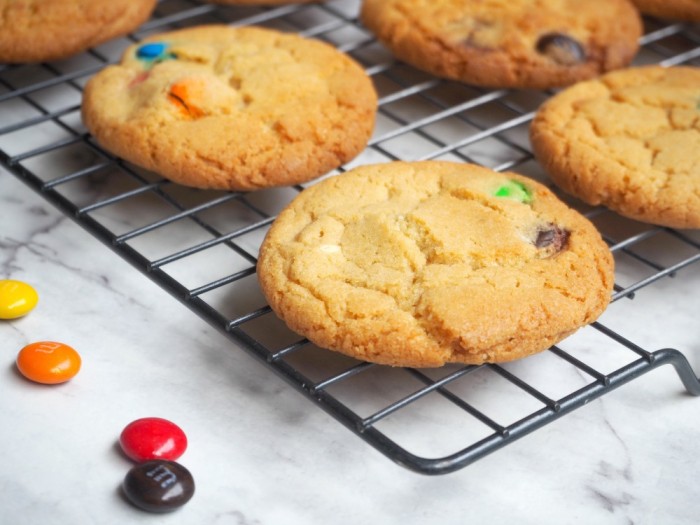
<point>232,108</point>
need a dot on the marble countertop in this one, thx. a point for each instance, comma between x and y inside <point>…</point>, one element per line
<point>262,454</point>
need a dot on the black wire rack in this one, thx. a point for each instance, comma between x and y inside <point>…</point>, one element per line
<point>201,246</point>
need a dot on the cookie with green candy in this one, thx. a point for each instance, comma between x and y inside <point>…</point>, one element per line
<point>425,263</point>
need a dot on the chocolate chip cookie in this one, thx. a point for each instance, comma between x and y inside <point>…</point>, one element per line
<point>630,141</point>
<point>508,43</point>
<point>232,108</point>
<point>425,263</point>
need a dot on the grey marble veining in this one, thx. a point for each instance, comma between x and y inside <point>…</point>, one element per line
<point>261,454</point>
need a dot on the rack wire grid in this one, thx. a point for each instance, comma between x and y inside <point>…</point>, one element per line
<point>201,246</point>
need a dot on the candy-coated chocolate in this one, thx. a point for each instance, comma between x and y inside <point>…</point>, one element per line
<point>139,78</point>
<point>154,52</point>
<point>180,95</point>
<point>515,190</point>
<point>561,48</point>
<point>151,50</point>
<point>153,438</point>
<point>158,485</point>
<point>17,298</point>
<point>552,237</point>
<point>48,362</point>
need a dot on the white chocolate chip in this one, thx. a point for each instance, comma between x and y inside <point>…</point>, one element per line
<point>329,248</point>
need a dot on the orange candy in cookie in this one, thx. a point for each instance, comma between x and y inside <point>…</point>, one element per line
<point>181,95</point>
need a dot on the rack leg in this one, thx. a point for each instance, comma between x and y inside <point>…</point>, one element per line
<point>685,372</point>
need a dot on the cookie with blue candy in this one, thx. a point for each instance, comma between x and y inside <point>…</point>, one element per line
<point>232,108</point>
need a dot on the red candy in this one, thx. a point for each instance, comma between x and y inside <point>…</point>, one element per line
<point>153,438</point>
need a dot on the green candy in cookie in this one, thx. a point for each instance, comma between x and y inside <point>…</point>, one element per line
<point>416,264</point>
<point>514,190</point>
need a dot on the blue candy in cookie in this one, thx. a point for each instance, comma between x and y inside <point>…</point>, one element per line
<point>154,52</point>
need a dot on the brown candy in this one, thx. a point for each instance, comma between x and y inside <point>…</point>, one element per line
<point>158,485</point>
<point>561,48</point>
<point>553,238</point>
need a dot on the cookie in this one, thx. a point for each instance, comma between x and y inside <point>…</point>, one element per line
<point>42,30</point>
<point>425,263</point>
<point>508,43</point>
<point>677,9</point>
<point>630,141</point>
<point>232,108</point>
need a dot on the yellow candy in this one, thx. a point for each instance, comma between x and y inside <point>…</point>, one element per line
<point>16,299</point>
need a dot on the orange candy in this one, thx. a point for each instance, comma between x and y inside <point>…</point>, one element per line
<point>48,362</point>
<point>180,94</point>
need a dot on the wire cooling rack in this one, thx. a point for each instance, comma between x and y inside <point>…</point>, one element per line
<point>201,246</point>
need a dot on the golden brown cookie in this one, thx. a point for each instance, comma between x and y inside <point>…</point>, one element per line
<point>232,108</point>
<point>42,30</point>
<point>678,9</point>
<point>425,263</point>
<point>508,43</point>
<point>629,141</point>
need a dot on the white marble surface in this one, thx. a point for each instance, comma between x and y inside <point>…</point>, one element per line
<point>262,454</point>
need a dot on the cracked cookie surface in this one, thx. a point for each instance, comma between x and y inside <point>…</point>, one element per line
<point>424,263</point>
<point>232,108</point>
<point>629,141</point>
<point>508,43</point>
<point>41,30</point>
